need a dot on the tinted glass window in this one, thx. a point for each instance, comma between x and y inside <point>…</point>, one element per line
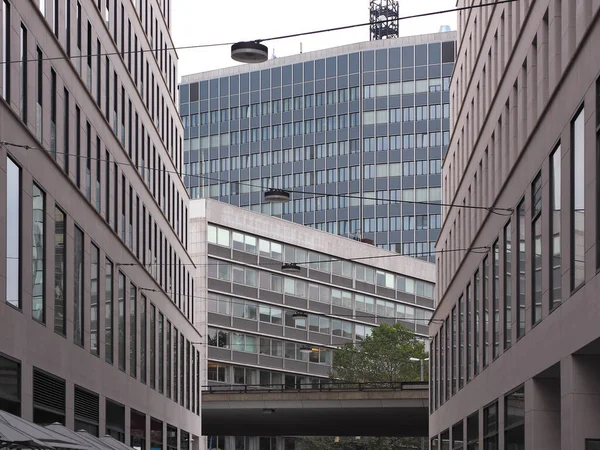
<point>276,77</point>
<point>368,61</point>
<point>286,75</point>
<point>204,90</point>
<point>255,81</point>
<point>447,52</point>
<point>319,69</point>
<point>408,56</point>
<point>184,93</point>
<point>265,79</point>
<point>421,55</point>
<point>309,69</point>
<point>354,63</point>
<point>434,53</point>
<point>381,59</point>
<point>194,92</point>
<point>331,67</point>
<point>224,86</point>
<point>394,58</point>
<point>234,84</point>
<point>298,73</point>
<point>342,65</point>
<point>214,88</point>
<point>244,82</point>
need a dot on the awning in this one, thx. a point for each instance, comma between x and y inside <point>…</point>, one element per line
<point>82,436</point>
<point>48,438</point>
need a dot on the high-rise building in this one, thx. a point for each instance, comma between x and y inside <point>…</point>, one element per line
<point>270,326</point>
<point>515,337</point>
<point>97,325</point>
<point>351,131</point>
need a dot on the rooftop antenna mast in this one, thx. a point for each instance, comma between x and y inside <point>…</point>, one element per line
<point>384,16</point>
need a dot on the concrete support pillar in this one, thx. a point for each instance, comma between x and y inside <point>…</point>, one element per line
<point>580,400</point>
<point>542,413</point>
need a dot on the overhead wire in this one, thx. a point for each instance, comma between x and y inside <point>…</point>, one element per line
<point>493,210</point>
<point>272,38</point>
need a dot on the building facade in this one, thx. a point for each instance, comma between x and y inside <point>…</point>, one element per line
<point>96,325</point>
<point>351,131</point>
<point>252,335</point>
<point>514,340</point>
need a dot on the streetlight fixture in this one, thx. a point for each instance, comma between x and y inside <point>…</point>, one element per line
<point>277,196</point>
<point>422,365</point>
<point>250,52</point>
<point>290,268</point>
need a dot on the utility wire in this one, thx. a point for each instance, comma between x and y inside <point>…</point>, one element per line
<point>272,38</point>
<point>477,249</point>
<point>493,210</point>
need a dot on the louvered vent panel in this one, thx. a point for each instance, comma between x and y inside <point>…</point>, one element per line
<point>87,405</point>
<point>48,392</point>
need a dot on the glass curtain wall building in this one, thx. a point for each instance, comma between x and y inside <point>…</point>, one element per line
<point>352,131</point>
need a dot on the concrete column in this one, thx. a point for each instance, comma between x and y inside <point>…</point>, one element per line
<point>580,400</point>
<point>542,413</point>
<point>127,425</point>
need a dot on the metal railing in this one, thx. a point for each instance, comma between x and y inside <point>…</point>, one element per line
<point>310,387</point>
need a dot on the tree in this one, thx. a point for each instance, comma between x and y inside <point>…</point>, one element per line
<point>383,357</point>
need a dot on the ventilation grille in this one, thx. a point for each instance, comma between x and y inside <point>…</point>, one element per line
<point>87,406</point>
<point>48,392</point>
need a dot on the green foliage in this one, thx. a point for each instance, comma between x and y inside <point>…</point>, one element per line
<point>383,356</point>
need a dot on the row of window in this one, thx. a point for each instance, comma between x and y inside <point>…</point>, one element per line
<point>493,312</point>
<point>125,315</point>
<point>512,425</point>
<point>266,108</point>
<point>316,261</point>
<point>265,346</point>
<point>372,307</point>
<point>226,373</point>
<point>51,398</point>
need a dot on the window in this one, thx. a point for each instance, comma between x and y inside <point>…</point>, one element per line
<point>23,71</point>
<point>6,46</point>
<point>160,336</point>
<point>496,301</point>
<point>143,337</point>
<point>536,227</point>
<point>521,269</point>
<point>469,339</point>
<point>490,427</point>
<point>13,233</point>
<point>94,299</point>
<point>78,312</point>
<point>473,432</point>
<point>133,331</point>
<point>153,346</point>
<point>578,201</point>
<point>38,254</point>
<point>60,274</point>
<point>53,113</point>
<point>486,310</point>
<point>477,324</point>
<point>108,311</point>
<point>555,193</point>
<point>507,286</point>
<point>514,419</point>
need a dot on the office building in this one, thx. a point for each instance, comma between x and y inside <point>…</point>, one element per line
<point>252,335</point>
<point>515,337</point>
<point>96,325</point>
<point>352,131</point>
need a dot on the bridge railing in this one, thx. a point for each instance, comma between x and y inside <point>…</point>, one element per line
<point>307,387</point>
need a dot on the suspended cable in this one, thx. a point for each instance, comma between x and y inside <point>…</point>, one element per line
<point>491,209</point>
<point>273,38</point>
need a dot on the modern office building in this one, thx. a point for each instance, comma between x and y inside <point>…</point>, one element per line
<point>352,131</point>
<point>515,338</point>
<point>96,325</point>
<point>252,335</point>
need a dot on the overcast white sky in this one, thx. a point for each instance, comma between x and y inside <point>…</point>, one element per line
<point>205,22</point>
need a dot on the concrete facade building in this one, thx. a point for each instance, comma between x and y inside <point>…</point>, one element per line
<point>515,341</point>
<point>251,334</point>
<point>96,325</point>
<point>351,131</point>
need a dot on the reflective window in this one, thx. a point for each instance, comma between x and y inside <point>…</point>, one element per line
<point>121,321</point>
<point>556,259</point>
<point>507,286</point>
<point>521,270</point>
<point>60,258</point>
<point>38,254</point>
<point>94,299</point>
<point>78,313</point>
<point>490,427</point>
<point>13,233</point>
<point>133,363</point>
<point>514,419</point>
<point>578,196</point>
<point>536,226</point>
<point>108,311</point>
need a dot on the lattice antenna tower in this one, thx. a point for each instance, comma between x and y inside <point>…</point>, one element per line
<point>380,10</point>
